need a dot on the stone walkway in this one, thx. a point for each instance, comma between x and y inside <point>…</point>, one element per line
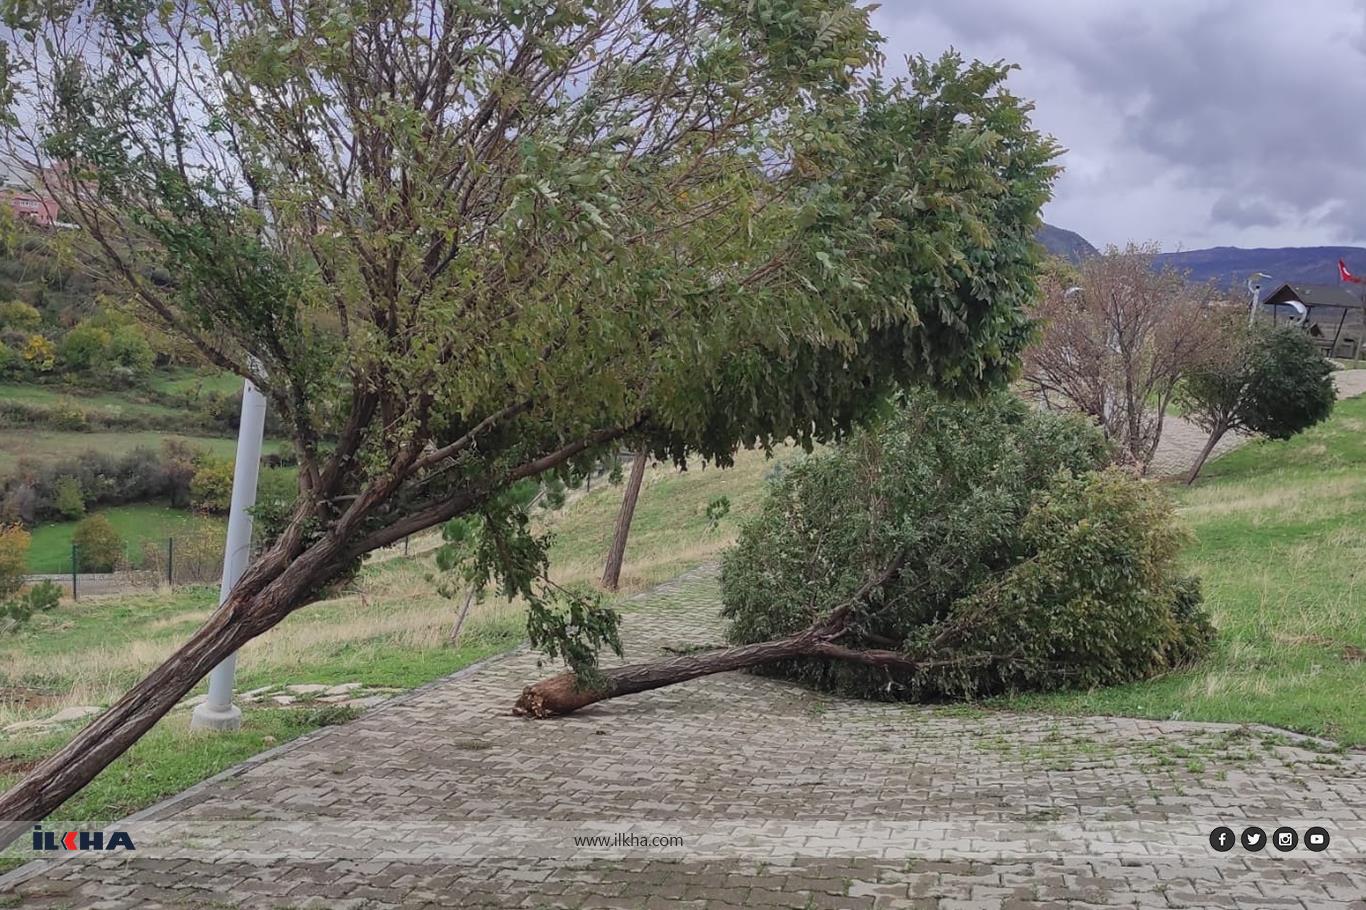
<point>1182,441</point>
<point>735,791</point>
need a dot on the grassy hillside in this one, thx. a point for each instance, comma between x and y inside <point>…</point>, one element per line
<point>1280,546</point>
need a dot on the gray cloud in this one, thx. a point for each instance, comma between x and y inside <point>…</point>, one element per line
<point>1192,123</point>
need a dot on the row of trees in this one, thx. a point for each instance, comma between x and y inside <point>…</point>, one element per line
<point>1122,341</point>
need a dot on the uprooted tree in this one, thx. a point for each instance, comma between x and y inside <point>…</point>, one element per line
<point>956,551</point>
<point>463,244</point>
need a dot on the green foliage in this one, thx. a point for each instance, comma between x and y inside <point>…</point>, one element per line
<point>211,486</point>
<point>10,361</point>
<point>1023,566</point>
<point>14,544</point>
<point>130,350</point>
<point>85,348</point>
<point>18,608</point>
<point>717,509</point>
<point>1270,382</point>
<point>66,414</point>
<point>17,315</point>
<point>99,546</point>
<point>68,497</point>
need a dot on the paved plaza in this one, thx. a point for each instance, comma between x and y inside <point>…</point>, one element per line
<point>735,791</point>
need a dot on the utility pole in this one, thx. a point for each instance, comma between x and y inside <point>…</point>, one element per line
<point>218,712</point>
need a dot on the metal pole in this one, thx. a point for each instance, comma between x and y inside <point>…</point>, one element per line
<point>170,562</point>
<point>73,571</point>
<point>218,712</point>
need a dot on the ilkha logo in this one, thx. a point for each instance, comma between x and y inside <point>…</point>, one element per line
<point>81,840</point>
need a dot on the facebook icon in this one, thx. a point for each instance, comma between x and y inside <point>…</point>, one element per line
<point>1221,839</point>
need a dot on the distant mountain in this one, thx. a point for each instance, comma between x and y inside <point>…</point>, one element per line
<point>1068,245</point>
<point>1229,266</point>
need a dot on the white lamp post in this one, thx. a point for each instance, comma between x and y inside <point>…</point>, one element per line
<point>1254,291</point>
<point>217,712</point>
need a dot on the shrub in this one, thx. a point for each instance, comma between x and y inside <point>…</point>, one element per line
<point>39,353</point>
<point>129,349</point>
<point>69,499</point>
<point>211,486</point>
<point>1025,565</point>
<point>10,361</point>
<point>66,414</point>
<point>84,348</point>
<point>15,314</point>
<point>99,546</point>
<point>14,544</point>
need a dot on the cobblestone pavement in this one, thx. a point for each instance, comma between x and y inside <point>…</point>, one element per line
<point>1182,441</point>
<point>781,797</point>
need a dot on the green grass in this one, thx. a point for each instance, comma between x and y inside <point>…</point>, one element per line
<point>92,402</point>
<point>50,549</point>
<point>51,445</point>
<point>1280,548</point>
<point>195,382</point>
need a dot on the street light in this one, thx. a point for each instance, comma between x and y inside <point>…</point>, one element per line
<point>1254,290</point>
<point>217,712</point>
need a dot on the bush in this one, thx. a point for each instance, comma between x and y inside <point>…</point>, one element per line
<point>99,547</point>
<point>1026,566</point>
<point>66,414</point>
<point>211,486</point>
<point>39,353</point>
<point>84,348</point>
<point>15,314</point>
<point>69,499</point>
<point>14,544</point>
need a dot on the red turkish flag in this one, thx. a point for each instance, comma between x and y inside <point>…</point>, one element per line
<point>1344,275</point>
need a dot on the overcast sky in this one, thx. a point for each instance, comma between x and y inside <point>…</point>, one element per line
<point>1189,122</point>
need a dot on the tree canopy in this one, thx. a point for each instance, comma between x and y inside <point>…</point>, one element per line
<point>460,243</point>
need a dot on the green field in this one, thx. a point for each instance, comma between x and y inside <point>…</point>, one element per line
<point>51,445</point>
<point>50,550</point>
<point>93,403</point>
<point>195,382</point>
<point>1280,545</point>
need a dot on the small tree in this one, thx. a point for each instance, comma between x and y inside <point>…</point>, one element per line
<point>1267,381</point>
<point>17,604</point>
<point>85,347</point>
<point>211,486</point>
<point>68,498</point>
<point>1115,344</point>
<point>99,546</point>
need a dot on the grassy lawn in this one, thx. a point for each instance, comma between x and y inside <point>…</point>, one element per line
<point>92,402</point>
<point>388,628</point>
<point>50,550</point>
<point>1280,546</point>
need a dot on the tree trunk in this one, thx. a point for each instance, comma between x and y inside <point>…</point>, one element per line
<point>454,637</point>
<point>611,574</point>
<point>1213,441</point>
<point>265,595</point>
<point>561,694</point>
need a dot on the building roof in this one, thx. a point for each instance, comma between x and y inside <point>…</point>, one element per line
<point>1316,295</point>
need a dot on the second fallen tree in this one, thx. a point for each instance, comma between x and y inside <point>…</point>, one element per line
<point>958,551</point>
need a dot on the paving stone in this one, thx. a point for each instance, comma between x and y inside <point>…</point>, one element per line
<point>783,797</point>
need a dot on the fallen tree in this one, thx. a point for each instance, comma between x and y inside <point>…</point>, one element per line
<point>460,246</point>
<point>1002,556</point>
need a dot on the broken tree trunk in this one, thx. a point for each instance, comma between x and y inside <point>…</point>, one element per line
<point>562,694</point>
<point>611,573</point>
